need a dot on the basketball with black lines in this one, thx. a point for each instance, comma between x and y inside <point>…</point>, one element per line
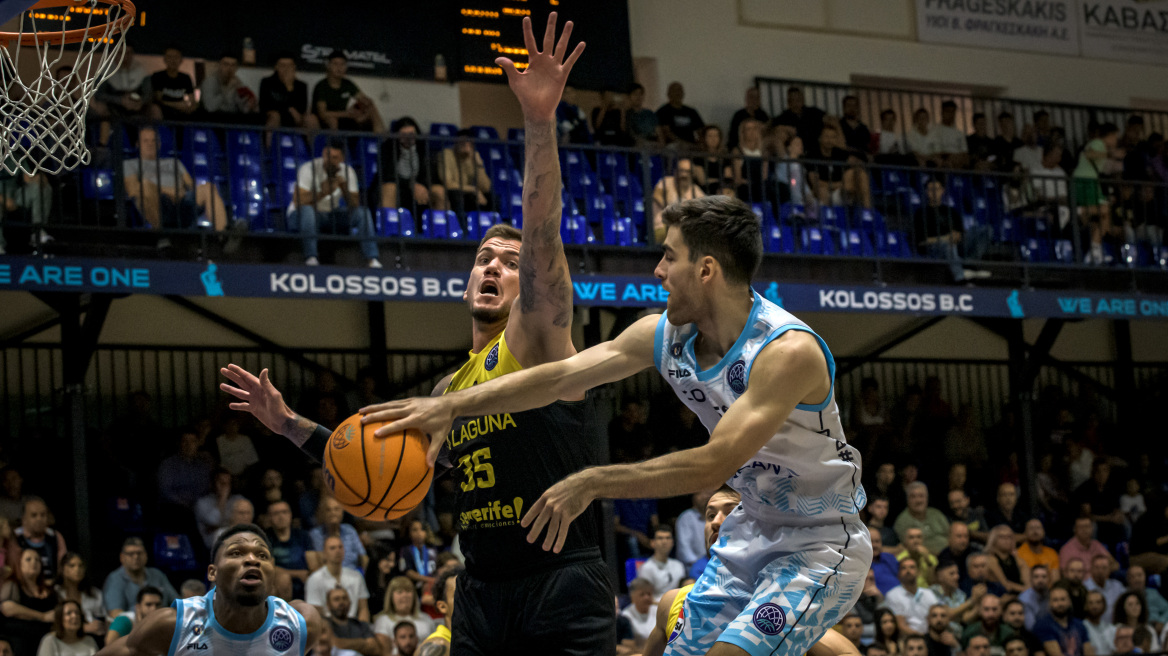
<point>376,478</point>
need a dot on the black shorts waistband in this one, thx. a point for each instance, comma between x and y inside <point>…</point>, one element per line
<point>561,560</point>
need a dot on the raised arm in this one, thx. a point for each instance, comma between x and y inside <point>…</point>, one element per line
<point>540,325</point>
<point>260,397</point>
<point>149,637</point>
<point>536,387</point>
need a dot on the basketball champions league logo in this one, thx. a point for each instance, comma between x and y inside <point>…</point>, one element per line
<point>280,639</point>
<point>769,618</point>
<point>492,359</point>
<point>736,377</point>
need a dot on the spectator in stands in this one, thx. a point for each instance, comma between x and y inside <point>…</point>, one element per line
<point>146,601</point>
<point>407,179</point>
<point>790,176</point>
<point>462,172</point>
<point>327,197</point>
<point>953,151</point>
<point>1060,631</point>
<point>940,233</point>
<point>1089,196</point>
<point>34,533</point>
<point>67,637</point>
<point>12,495</point>
<point>417,561</point>
<point>1098,498</point>
<point>291,547</point>
<point>1144,639</point>
<point>887,145</point>
<point>673,189</point>
<point>980,145</point>
<point>164,192</point>
<point>807,121</point>
<point>663,572</point>
<point>1005,143</point>
<point>752,110</point>
<point>958,548</point>
<point>186,475</point>
<point>1135,159</point>
<point>1149,544</point>
<point>401,605</point>
<point>690,530</point>
<point>192,588</point>
<point>964,442</point>
<point>1083,547</point>
<point>335,574</point>
<point>236,450</point>
<point>1099,580</point>
<point>126,94</point>
<point>339,103</point>
<point>224,97</point>
<point>74,586</point>
<point>843,181</point>
<point>641,611</point>
<point>1130,610</point>
<point>1029,153</point>
<point>878,519</point>
<point>241,511</point>
<point>1098,623</point>
<point>913,547</point>
<point>857,136</point>
<point>352,634</point>
<point>1034,552</point>
<point>884,483</point>
<point>712,170</point>
<point>571,121</point>
<point>989,623</point>
<point>1042,127</point>
<point>884,564</point>
<point>328,524</point>
<point>910,601</point>
<point>973,518</point>
<point>284,98</point>
<point>978,572</point>
<point>641,122</point>
<point>748,163</point>
<point>922,138</point>
<point>871,598</point>
<point>1048,179</point>
<point>918,514</point>
<point>174,92</point>
<point>26,198</point>
<point>212,508</point>
<point>889,631</point>
<point>1010,571</point>
<point>122,585</point>
<point>950,595</point>
<point>609,122</point>
<point>678,123</point>
<point>27,602</point>
<point>1014,618</point>
<point>940,639</point>
<point>405,639</point>
<point>1036,598</point>
<point>1074,573</point>
<point>1124,640</point>
<point>1137,581</point>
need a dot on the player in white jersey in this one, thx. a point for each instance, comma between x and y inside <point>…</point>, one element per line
<point>236,617</point>
<point>791,558</point>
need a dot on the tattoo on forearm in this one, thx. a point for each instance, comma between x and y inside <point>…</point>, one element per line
<point>434,649</point>
<point>543,275</point>
<point>298,429</point>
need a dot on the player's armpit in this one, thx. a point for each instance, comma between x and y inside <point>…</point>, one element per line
<point>150,637</point>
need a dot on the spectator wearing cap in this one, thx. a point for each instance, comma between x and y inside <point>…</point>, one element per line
<point>1036,598</point>
<point>807,120</point>
<point>339,102</point>
<point>224,97</point>
<point>1083,547</point>
<point>1098,624</point>
<point>885,566</point>
<point>122,585</point>
<point>34,533</point>
<point>677,122</point>
<point>752,109</point>
<point>462,173</point>
<point>909,601</point>
<point>934,527</point>
<point>328,199</point>
<point>1099,580</point>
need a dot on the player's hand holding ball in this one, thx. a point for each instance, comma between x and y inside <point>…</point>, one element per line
<point>433,416</point>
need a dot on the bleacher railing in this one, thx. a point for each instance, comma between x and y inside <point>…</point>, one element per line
<point>611,197</point>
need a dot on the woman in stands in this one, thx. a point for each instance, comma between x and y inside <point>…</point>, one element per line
<point>1131,610</point>
<point>26,603</point>
<point>75,586</point>
<point>750,167</point>
<point>402,605</point>
<point>1010,571</point>
<point>67,637</point>
<point>887,631</point>
<point>711,163</point>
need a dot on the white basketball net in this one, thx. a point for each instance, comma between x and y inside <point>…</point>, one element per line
<point>42,118</point>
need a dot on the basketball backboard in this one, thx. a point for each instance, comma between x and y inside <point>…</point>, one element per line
<point>10,9</point>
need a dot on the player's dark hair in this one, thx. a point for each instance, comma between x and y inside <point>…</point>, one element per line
<point>402,122</point>
<point>409,623</point>
<point>1006,644</point>
<point>726,489</point>
<point>723,228</point>
<point>444,578</point>
<point>236,530</point>
<point>501,231</point>
<point>912,638</point>
<point>148,590</point>
<point>948,104</point>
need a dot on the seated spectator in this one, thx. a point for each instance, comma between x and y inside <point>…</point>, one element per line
<point>1014,618</point>
<point>923,140</point>
<point>126,94</point>
<point>212,508</point>
<point>909,601</point>
<point>1048,179</point>
<point>1010,571</point>
<point>224,97</point>
<point>164,192</point>
<point>842,183</point>
<point>807,121</point>
<point>340,104</point>
<point>1098,498</point>
<point>977,571</point>
<point>571,121</point>
<point>1042,126</point>
<point>401,605</point>
<point>328,524</point>
<point>122,585</point>
<point>885,483</point>
<point>973,518</point>
<point>678,123</point>
<point>958,548</point>
<point>34,533</point>
<point>405,639</point>
<point>1074,573</point>
<point>284,98</point>
<point>913,547</point>
<point>74,586</point>
<point>1144,639</point>
<point>1099,580</point>
<point>1149,543</point>
<point>1083,547</point>
<point>184,476</point>
<point>878,518</point>
<point>173,90</point>
<point>1060,631</point>
<point>271,489</point>
<point>1098,623</point>
<point>324,644</point>
<point>407,179</point>
<point>147,600</point>
<point>940,233</point>
<point>713,171</point>
<point>989,624</point>
<point>748,164</point>
<point>352,634</point>
<point>871,599</point>
<point>291,547</point>
<point>609,122</point>
<point>418,561</point>
<point>918,514</point>
<point>889,631</point>
<point>887,145</point>
<point>1124,640</point>
<point>240,511</point>
<point>327,197</point>
<point>663,572</point>
<point>12,495</point>
<point>1036,598</point>
<point>1137,581</point>
<point>1029,153</point>
<point>462,172</point>
<point>1130,610</point>
<point>192,588</point>
<point>641,611</point>
<point>690,530</point>
<point>857,137</point>
<point>953,151</point>
<point>641,122</point>
<point>980,145</point>
<point>27,603</point>
<point>952,597</point>
<point>941,639</point>
<point>334,574</point>
<point>752,109</point>
<point>885,566</point>
<point>236,450</point>
<point>1006,143</point>
<point>26,198</point>
<point>67,637</point>
<point>673,189</point>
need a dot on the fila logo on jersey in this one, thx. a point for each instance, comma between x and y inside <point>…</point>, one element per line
<point>492,358</point>
<point>736,377</point>
<point>197,646</point>
<point>281,639</point>
<point>770,619</point>
<point>679,373</point>
<point>675,350</point>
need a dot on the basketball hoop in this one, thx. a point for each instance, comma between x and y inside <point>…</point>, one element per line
<point>42,118</point>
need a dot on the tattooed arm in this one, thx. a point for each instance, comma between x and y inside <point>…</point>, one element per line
<point>540,326</point>
<point>434,647</point>
<point>260,397</point>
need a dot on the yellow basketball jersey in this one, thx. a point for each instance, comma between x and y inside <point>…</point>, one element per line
<point>441,633</point>
<point>676,622</point>
<point>492,361</point>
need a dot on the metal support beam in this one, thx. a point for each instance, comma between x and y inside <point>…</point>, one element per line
<point>592,333</point>
<point>1041,349</point>
<point>1046,360</point>
<point>1022,392</point>
<point>888,343</point>
<point>1125,377</point>
<point>378,351</point>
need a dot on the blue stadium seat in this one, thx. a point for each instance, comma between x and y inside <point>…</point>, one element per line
<point>894,243</point>
<point>515,138</point>
<point>97,184</point>
<point>600,209</point>
<point>1035,249</point>
<point>626,190</point>
<point>173,552</point>
<point>478,222</point>
<point>367,158</point>
<point>439,224</point>
<point>763,211</point>
<point>638,216</point>
<point>1160,257</point>
<point>855,243</point>
<point>247,202</point>
<point>393,222</point>
<point>288,152</point>
<point>817,241</point>
<point>447,130</point>
<point>833,216</point>
<point>618,231</point>
<point>1145,257</point>
<point>245,141</point>
<point>574,228</point>
<point>202,155</point>
<point>790,211</point>
<point>893,181</point>
<point>584,187</point>
<point>1007,231</point>
<point>573,163</point>
<point>1064,251</point>
<point>632,567</point>
<point>869,221</point>
<point>609,165</point>
<point>777,238</point>
<point>516,209</point>
<point>484,132</point>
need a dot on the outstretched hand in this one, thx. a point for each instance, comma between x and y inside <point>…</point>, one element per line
<point>540,87</point>
<point>431,415</point>
<point>556,508</point>
<point>258,396</point>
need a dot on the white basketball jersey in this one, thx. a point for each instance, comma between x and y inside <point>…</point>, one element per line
<point>196,633</point>
<point>807,473</point>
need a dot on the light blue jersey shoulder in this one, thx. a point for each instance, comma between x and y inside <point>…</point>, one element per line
<point>196,633</point>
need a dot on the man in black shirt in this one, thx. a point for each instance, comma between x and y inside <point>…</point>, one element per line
<point>405,176</point>
<point>807,121</point>
<point>678,122</point>
<point>173,89</point>
<point>980,145</point>
<point>752,110</point>
<point>857,136</point>
<point>339,103</point>
<point>835,176</point>
<point>284,99</point>
<point>939,232</point>
<point>940,641</point>
<point>1005,143</point>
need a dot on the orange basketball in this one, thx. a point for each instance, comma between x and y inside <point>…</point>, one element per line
<point>377,478</point>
